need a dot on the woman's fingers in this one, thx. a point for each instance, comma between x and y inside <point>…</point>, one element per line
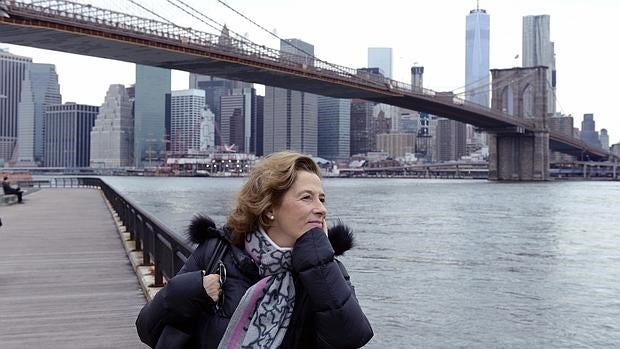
<point>211,284</point>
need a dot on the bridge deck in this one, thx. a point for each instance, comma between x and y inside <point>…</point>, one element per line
<point>120,38</point>
<point>65,280</point>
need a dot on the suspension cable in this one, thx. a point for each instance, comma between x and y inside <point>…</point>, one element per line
<point>555,96</point>
<point>472,83</point>
<point>184,10</point>
<point>258,25</point>
<point>150,11</point>
<point>196,12</point>
<point>481,89</point>
<point>289,43</point>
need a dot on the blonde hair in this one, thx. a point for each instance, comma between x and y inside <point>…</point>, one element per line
<point>264,189</point>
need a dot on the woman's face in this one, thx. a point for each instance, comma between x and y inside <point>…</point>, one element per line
<point>302,209</point>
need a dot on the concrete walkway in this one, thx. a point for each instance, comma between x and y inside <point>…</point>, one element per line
<point>65,279</point>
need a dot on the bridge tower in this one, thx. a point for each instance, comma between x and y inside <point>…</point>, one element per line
<point>517,154</point>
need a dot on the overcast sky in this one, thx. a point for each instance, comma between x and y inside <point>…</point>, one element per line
<point>430,33</point>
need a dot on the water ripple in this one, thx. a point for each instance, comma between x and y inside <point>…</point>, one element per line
<point>457,264</point>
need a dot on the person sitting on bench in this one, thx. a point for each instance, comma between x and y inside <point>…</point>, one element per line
<point>10,190</point>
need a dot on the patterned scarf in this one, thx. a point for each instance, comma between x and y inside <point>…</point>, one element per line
<point>263,314</point>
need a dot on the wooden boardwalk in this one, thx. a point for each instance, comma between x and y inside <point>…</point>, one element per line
<point>65,279</point>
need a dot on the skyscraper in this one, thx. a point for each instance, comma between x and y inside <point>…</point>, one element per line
<point>298,51</point>
<point>214,89</point>
<point>152,84</point>
<point>256,144</point>
<point>538,50</point>
<point>186,116</point>
<point>409,121</point>
<point>231,121</point>
<point>449,140</point>
<point>588,130</point>
<point>67,134</point>
<point>334,115</point>
<point>389,112</point>
<point>396,145</point>
<point>111,139</point>
<point>39,89</point>
<point>381,57</point>
<point>361,126</point>
<point>381,123</point>
<point>561,124</point>
<point>604,139</point>
<point>238,115</point>
<point>477,75</point>
<point>290,120</point>
<point>12,72</point>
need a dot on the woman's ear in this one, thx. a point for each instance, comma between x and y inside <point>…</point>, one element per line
<point>269,213</point>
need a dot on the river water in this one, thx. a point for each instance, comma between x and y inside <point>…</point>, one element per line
<point>457,264</point>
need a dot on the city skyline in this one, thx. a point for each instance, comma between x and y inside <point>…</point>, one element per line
<point>584,62</point>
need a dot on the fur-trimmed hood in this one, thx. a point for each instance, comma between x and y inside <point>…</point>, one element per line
<point>202,228</point>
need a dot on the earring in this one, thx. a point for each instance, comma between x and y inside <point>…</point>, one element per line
<point>272,217</point>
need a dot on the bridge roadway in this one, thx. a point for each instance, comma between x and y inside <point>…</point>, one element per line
<point>65,279</point>
<point>86,30</point>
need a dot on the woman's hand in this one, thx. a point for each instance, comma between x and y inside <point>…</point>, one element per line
<point>211,284</point>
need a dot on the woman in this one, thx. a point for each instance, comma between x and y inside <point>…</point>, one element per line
<point>278,285</point>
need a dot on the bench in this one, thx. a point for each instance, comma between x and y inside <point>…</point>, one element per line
<point>8,199</point>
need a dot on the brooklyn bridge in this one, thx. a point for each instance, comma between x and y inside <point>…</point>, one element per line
<point>520,140</point>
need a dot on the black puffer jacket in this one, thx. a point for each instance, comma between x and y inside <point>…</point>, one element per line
<point>326,313</point>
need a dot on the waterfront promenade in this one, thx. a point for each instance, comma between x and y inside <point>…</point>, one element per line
<point>65,279</point>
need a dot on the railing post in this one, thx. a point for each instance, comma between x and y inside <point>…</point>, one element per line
<point>129,223</point>
<point>146,238</point>
<point>135,224</point>
<point>159,277</point>
<point>158,254</point>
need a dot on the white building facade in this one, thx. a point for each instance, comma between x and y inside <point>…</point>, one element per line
<point>187,108</point>
<point>111,139</point>
<point>207,130</point>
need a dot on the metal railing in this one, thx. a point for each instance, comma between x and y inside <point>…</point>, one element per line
<point>33,183</point>
<point>160,246</point>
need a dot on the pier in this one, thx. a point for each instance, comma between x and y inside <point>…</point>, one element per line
<point>65,278</point>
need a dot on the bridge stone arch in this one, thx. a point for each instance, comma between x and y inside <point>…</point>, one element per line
<point>516,154</point>
<point>507,101</point>
<point>528,102</point>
